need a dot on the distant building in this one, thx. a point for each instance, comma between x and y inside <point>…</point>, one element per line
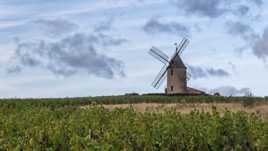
<point>177,79</point>
<point>175,70</point>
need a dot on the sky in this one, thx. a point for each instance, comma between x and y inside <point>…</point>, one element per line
<point>65,48</point>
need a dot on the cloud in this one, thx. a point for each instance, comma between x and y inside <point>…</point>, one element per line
<point>231,91</point>
<point>238,27</point>
<point>258,2</point>
<point>14,69</point>
<point>217,72</point>
<point>106,40</point>
<point>209,8</point>
<point>251,38</point>
<point>155,26</point>
<point>72,54</point>
<point>257,43</point>
<point>242,10</point>
<point>214,8</point>
<point>104,26</point>
<point>56,27</point>
<point>245,31</point>
<point>197,72</point>
<point>232,65</point>
<point>260,48</point>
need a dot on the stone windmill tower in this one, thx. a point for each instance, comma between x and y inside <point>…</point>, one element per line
<point>176,77</point>
<point>175,71</point>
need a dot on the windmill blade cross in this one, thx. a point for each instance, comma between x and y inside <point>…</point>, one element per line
<point>160,77</point>
<point>183,44</point>
<point>179,46</point>
<point>159,55</point>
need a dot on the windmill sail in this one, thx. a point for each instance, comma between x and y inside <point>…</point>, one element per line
<point>160,77</point>
<point>183,44</point>
<point>179,46</point>
<point>159,55</point>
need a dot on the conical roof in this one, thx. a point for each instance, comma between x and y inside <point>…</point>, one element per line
<point>177,62</point>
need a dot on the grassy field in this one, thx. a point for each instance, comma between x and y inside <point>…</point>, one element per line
<point>135,123</point>
<point>64,102</point>
<point>260,109</point>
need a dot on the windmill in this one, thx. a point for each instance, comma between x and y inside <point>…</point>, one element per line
<point>174,70</point>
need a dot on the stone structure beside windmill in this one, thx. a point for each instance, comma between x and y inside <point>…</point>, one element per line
<point>175,71</point>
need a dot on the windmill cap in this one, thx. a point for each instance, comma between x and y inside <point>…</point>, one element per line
<point>177,62</point>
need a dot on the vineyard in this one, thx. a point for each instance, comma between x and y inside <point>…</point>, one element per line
<point>63,124</point>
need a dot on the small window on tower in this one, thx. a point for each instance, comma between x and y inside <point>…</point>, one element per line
<point>171,88</point>
<point>171,72</point>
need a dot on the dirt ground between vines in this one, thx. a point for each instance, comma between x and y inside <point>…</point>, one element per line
<point>261,109</point>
